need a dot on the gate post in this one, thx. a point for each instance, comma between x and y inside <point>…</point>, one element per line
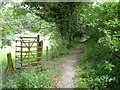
<point>46,53</point>
<point>21,42</point>
<point>10,62</point>
<point>38,47</point>
<point>39,50</point>
<point>52,52</point>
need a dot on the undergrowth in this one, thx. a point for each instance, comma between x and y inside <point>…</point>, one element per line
<point>30,78</point>
<point>98,70</point>
<point>101,65</point>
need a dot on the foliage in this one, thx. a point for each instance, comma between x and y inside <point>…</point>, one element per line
<point>7,22</point>
<point>29,79</point>
<point>102,48</point>
<point>63,14</point>
<point>11,23</point>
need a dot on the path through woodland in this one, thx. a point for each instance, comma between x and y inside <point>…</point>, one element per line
<point>63,70</point>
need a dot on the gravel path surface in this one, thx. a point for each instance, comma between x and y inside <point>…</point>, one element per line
<point>65,67</point>
<point>66,80</point>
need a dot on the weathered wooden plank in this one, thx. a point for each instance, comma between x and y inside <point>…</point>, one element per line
<point>19,56</point>
<point>32,58</point>
<point>28,37</point>
<point>31,40</point>
<point>28,41</point>
<point>26,58</point>
<point>26,55</point>
<point>31,47</point>
<point>27,51</point>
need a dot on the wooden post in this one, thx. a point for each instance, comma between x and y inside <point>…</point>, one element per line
<point>52,52</point>
<point>21,51</point>
<point>41,44</point>
<point>56,51</point>
<point>29,54</point>
<point>10,62</point>
<point>41,48</point>
<point>46,53</point>
<point>15,53</point>
<point>38,44</point>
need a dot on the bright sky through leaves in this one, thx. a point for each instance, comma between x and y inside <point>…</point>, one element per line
<point>59,0</point>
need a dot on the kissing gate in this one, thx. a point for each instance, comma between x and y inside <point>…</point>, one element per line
<point>28,51</point>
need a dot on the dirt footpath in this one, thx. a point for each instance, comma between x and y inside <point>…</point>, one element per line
<point>65,67</point>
